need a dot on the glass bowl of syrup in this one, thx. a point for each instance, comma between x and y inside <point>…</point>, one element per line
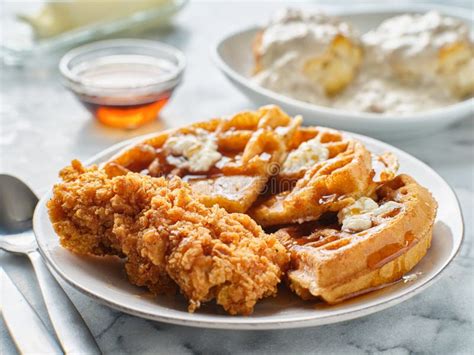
<point>124,83</point>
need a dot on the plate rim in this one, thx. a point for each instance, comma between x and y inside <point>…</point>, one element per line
<point>230,323</point>
<point>454,112</point>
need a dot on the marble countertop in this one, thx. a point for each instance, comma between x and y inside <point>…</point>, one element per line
<point>42,128</point>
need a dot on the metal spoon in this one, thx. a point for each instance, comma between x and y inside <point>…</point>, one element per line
<point>17,203</point>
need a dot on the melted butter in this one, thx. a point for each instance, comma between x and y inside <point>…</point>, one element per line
<point>305,156</point>
<point>195,152</point>
<point>365,213</point>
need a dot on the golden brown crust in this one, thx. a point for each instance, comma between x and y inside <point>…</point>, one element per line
<point>342,264</point>
<point>251,142</point>
<point>327,186</point>
<point>261,141</point>
<point>168,237</point>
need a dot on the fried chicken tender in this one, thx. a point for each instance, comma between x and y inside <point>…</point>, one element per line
<point>94,215</point>
<point>168,237</point>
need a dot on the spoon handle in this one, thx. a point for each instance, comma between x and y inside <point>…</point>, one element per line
<point>71,330</point>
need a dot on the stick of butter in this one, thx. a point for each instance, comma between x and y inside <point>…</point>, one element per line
<point>58,17</point>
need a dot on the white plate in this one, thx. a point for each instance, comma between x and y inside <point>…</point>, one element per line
<point>233,55</point>
<point>104,280</point>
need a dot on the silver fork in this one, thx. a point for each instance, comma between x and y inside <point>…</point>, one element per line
<point>17,203</point>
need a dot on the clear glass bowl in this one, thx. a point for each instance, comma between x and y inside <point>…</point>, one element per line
<point>123,83</point>
<point>18,45</point>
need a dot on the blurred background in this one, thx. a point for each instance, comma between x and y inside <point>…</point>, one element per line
<point>39,118</point>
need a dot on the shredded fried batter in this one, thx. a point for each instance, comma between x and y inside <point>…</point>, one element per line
<point>168,237</point>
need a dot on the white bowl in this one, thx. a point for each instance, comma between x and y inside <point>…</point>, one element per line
<point>233,55</point>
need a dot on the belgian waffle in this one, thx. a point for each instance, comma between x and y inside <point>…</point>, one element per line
<point>320,186</point>
<point>249,145</point>
<point>334,262</point>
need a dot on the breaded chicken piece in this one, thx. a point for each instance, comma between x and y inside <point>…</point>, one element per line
<point>94,215</point>
<point>168,237</point>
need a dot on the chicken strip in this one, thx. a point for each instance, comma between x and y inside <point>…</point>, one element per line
<point>168,237</point>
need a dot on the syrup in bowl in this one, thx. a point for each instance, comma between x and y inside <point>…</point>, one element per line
<point>123,83</point>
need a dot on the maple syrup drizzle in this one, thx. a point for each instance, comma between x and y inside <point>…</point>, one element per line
<point>390,252</point>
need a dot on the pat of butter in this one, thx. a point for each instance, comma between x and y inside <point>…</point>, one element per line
<point>361,214</point>
<point>195,152</point>
<point>58,17</point>
<point>305,156</point>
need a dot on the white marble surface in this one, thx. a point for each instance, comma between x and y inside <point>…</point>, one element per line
<point>42,128</point>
